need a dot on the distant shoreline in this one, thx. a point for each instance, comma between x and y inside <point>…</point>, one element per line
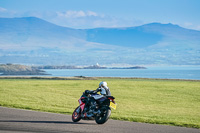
<point>17,69</point>
<point>87,67</point>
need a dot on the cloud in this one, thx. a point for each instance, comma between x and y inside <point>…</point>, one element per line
<point>190,25</point>
<point>91,13</point>
<point>7,13</point>
<point>77,14</point>
<point>90,19</point>
<point>2,9</point>
<point>198,27</point>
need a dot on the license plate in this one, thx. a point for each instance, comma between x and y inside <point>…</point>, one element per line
<point>114,106</point>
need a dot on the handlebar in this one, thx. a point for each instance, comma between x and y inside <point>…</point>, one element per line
<point>87,92</point>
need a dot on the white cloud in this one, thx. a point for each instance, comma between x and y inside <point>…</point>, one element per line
<point>90,19</point>
<point>77,14</point>
<point>90,13</point>
<point>190,25</point>
<point>2,9</point>
<point>198,27</point>
<point>7,13</point>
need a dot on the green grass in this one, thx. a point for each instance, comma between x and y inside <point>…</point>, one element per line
<point>168,102</point>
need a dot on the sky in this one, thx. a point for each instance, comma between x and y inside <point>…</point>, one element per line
<point>83,14</point>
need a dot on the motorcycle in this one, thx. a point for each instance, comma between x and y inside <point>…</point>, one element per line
<point>93,106</point>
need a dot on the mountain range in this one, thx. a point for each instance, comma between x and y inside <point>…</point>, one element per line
<point>31,40</point>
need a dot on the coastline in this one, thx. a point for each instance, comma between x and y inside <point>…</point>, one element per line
<point>166,73</point>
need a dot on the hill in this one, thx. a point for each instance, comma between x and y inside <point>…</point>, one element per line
<point>142,36</point>
<point>32,40</point>
<point>14,69</point>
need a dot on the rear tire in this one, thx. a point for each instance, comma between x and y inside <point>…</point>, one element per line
<point>103,117</point>
<point>76,116</point>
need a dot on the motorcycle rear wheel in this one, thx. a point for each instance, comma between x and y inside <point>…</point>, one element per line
<point>76,116</point>
<point>103,117</point>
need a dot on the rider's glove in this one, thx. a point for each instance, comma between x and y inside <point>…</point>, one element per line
<point>98,89</point>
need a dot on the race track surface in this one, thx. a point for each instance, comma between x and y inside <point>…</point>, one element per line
<point>23,121</point>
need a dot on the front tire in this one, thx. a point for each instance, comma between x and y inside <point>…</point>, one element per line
<point>76,116</point>
<point>103,117</point>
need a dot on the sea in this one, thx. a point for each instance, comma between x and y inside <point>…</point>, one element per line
<point>190,73</point>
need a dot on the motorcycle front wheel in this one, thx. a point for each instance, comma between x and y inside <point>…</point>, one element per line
<point>103,117</point>
<point>76,116</point>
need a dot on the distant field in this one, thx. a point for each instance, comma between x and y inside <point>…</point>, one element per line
<point>168,102</point>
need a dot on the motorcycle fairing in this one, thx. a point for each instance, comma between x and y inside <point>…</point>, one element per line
<point>96,97</point>
<point>82,104</point>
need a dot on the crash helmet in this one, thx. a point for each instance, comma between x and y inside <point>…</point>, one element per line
<point>103,84</point>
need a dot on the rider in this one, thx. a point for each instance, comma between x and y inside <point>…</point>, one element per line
<point>103,88</point>
<point>104,91</point>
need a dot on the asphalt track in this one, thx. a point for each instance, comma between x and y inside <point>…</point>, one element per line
<point>24,121</point>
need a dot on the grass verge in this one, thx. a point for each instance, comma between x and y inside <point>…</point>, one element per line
<point>168,102</point>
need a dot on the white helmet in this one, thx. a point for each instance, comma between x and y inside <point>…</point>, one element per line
<point>103,84</point>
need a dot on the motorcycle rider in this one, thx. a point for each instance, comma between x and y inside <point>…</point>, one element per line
<point>104,91</point>
<point>103,88</point>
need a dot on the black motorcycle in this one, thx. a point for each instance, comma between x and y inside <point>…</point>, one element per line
<point>94,107</point>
